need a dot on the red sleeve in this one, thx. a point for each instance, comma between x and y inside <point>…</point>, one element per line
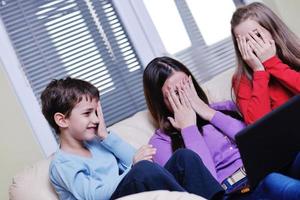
<point>253,99</point>
<point>287,76</point>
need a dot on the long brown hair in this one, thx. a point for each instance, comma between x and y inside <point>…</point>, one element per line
<point>287,43</point>
<point>155,75</point>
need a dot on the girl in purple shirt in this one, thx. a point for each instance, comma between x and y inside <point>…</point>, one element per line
<point>185,120</point>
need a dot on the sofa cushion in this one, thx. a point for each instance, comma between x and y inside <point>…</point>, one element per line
<point>33,183</point>
<point>219,88</point>
<point>162,195</point>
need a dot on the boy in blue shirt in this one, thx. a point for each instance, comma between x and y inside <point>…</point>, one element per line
<point>95,164</point>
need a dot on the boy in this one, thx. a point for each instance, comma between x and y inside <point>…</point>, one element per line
<point>95,164</point>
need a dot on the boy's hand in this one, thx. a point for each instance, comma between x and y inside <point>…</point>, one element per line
<point>146,152</point>
<point>101,132</point>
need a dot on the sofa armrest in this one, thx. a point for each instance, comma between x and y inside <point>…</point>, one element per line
<point>33,183</point>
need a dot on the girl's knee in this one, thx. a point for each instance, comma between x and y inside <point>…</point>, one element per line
<point>186,155</point>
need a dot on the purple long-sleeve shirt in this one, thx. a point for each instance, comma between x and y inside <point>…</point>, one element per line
<point>215,145</point>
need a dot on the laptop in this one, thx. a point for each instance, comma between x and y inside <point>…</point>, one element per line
<point>271,143</point>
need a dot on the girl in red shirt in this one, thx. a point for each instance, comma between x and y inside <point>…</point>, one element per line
<point>268,55</point>
<point>267,75</point>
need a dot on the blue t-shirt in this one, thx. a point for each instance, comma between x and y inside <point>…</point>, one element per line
<point>78,177</point>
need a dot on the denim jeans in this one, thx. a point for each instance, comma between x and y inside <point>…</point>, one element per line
<point>184,171</point>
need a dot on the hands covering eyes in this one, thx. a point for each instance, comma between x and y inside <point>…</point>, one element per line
<point>255,48</point>
<point>186,104</point>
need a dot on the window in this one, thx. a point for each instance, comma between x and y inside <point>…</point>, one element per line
<point>197,32</point>
<point>79,38</point>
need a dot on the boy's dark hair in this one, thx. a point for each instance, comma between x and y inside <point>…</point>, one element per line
<point>62,95</point>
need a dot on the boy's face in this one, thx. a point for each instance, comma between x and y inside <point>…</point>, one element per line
<point>83,121</point>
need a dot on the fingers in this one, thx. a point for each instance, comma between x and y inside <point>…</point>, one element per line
<point>263,36</point>
<point>190,81</point>
<point>185,84</point>
<point>255,39</point>
<point>272,43</point>
<point>242,43</point>
<point>99,109</point>
<point>172,121</point>
<point>146,152</point>
<point>238,41</point>
<point>251,47</point>
<point>257,46</point>
<point>172,102</point>
<point>174,97</point>
<point>244,47</point>
<point>184,99</point>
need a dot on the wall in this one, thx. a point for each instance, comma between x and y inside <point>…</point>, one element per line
<point>288,10</point>
<point>18,146</point>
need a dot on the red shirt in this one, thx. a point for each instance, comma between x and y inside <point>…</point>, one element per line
<point>268,89</point>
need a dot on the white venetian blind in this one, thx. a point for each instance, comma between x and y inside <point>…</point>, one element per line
<point>205,60</point>
<point>83,39</point>
<point>196,32</point>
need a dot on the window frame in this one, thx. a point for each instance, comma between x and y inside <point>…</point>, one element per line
<point>25,95</point>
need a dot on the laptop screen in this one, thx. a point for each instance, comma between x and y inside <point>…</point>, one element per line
<point>271,143</point>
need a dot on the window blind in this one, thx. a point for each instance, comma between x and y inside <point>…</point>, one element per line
<point>83,39</point>
<point>204,61</point>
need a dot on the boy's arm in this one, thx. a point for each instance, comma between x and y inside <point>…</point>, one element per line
<point>121,149</point>
<point>78,181</point>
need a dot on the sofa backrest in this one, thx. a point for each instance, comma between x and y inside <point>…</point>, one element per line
<point>136,130</point>
<point>219,88</point>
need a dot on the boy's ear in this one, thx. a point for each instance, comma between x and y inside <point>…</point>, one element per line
<point>61,120</point>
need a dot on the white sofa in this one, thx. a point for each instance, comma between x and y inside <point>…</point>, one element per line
<point>33,182</point>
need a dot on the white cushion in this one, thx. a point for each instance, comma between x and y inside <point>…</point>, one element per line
<point>162,195</point>
<point>33,183</point>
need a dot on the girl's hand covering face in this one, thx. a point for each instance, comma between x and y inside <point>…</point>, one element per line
<point>248,55</point>
<point>263,47</point>
<point>200,107</point>
<point>184,115</point>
